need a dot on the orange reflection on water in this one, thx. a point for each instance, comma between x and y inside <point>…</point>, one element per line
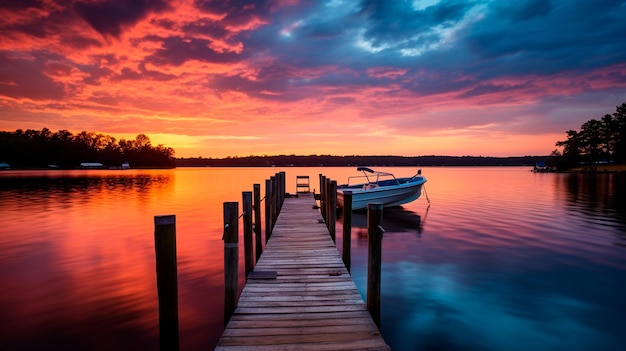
<point>78,260</point>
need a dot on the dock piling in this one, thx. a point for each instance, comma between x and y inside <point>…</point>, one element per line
<point>323,195</point>
<point>274,200</point>
<point>246,198</point>
<point>231,258</point>
<point>347,228</point>
<point>257,220</point>
<point>332,209</point>
<point>268,209</point>
<point>167,280</point>
<point>374,250</point>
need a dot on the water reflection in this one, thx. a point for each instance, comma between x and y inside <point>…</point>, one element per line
<point>594,197</point>
<point>72,262</point>
<point>87,184</point>
<point>511,256</point>
<point>395,220</point>
<point>501,255</point>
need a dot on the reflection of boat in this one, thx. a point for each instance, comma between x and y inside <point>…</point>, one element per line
<point>395,220</point>
<point>381,187</point>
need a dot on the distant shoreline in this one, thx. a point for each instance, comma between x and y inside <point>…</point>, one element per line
<point>348,161</point>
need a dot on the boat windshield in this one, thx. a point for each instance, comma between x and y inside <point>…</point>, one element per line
<point>373,178</point>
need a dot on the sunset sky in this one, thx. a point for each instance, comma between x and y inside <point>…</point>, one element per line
<point>377,77</point>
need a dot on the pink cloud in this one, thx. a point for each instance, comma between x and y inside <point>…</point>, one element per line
<point>386,72</point>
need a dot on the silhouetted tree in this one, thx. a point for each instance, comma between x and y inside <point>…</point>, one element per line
<point>32,148</point>
<point>597,141</point>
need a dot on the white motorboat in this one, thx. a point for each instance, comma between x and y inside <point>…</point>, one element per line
<point>381,187</point>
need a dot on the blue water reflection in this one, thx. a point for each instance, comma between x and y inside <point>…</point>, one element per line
<point>507,272</point>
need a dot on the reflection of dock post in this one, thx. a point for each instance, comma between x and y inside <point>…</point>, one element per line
<point>167,280</point>
<point>246,200</point>
<point>231,258</point>
<point>374,255</point>
<point>332,209</point>
<point>347,228</point>
<point>257,220</point>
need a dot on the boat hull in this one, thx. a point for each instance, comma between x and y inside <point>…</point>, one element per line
<point>392,195</point>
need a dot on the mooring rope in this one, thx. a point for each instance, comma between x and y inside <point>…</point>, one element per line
<point>227,225</point>
<point>425,193</point>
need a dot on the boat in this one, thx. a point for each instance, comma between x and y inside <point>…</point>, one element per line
<point>381,187</point>
<point>91,165</point>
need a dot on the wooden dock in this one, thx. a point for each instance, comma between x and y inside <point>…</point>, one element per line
<point>300,295</point>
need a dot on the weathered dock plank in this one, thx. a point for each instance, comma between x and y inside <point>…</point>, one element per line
<point>312,304</point>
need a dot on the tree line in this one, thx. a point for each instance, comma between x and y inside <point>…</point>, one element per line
<point>42,148</point>
<point>598,141</point>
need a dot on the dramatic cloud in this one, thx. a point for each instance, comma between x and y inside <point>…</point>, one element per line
<point>109,17</point>
<point>225,78</point>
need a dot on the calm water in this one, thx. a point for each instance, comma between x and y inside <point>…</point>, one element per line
<point>502,259</point>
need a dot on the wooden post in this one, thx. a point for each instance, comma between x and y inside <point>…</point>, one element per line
<point>278,195</point>
<point>268,209</point>
<point>167,280</point>
<point>323,196</point>
<point>327,201</point>
<point>257,220</point>
<point>374,256</point>
<point>320,188</point>
<point>332,192</point>
<point>283,188</point>
<point>231,258</point>
<point>274,199</point>
<point>347,228</point>
<point>246,197</point>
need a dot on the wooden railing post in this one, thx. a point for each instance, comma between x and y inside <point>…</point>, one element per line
<point>274,199</point>
<point>320,188</point>
<point>167,280</point>
<point>323,196</point>
<point>325,215</point>
<point>374,250</point>
<point>246,197</point>
<point>327,190</point>
<point>347,228</point>
<point>256,206</point>
<point>231,258</point>
<point>332,192</point>
<point>268,209</point>
<point>283,188</point>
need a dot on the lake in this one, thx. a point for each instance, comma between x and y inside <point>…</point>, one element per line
<point>489,258</point>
